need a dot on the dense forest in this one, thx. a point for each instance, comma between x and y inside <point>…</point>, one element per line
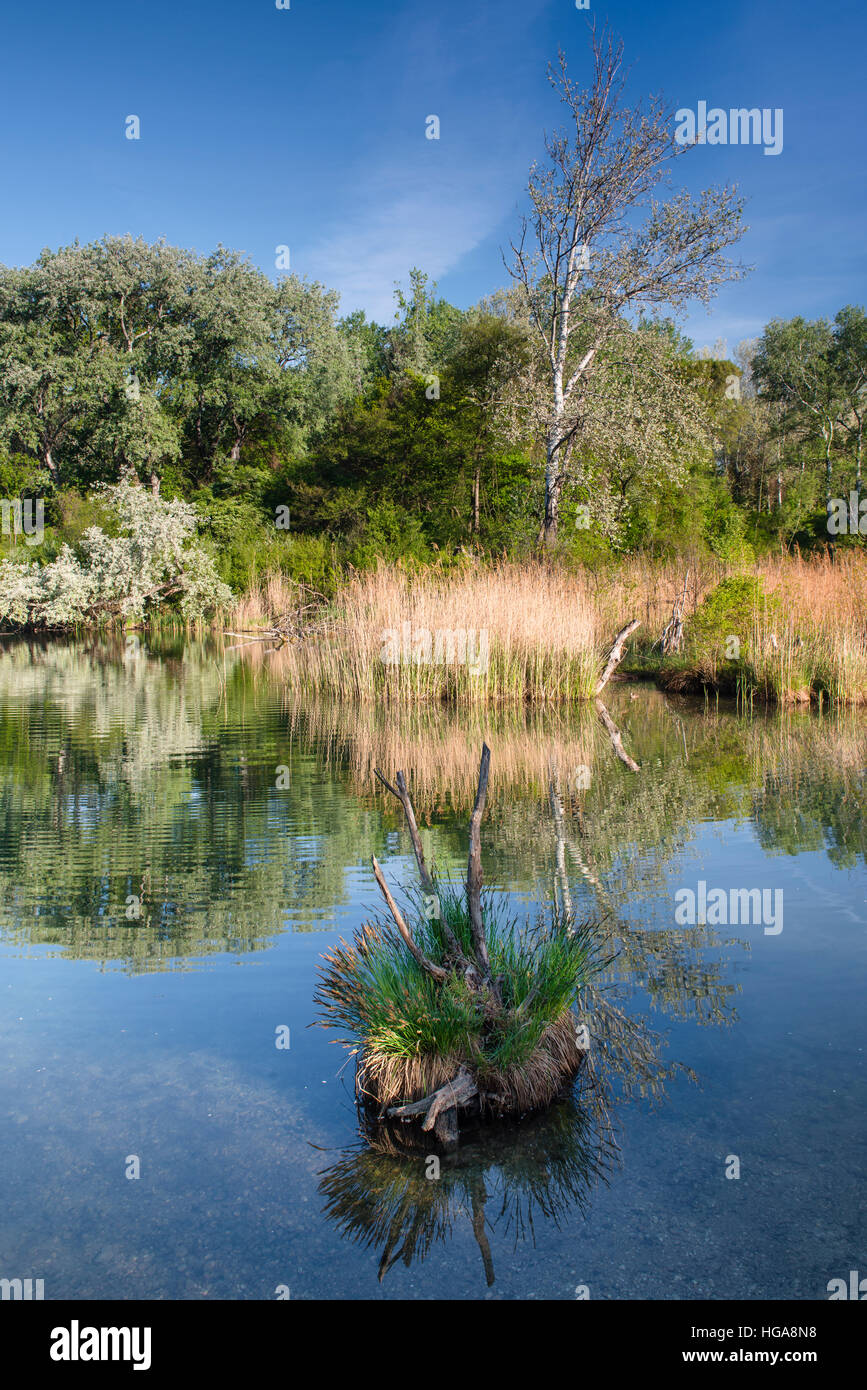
<point>305,439</point>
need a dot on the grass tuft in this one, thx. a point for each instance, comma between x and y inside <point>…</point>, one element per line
<point>414,1033</point>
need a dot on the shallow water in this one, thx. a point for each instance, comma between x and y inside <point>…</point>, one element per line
<point>182,839</point>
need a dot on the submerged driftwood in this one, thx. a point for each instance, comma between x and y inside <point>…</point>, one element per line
<point>299,624</point>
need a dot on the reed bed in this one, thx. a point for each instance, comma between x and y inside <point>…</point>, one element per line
<point>813,640</point>
<point>807,638</point>
<point>268,598</point>
<point>528,632</point>
<point>504,633</point>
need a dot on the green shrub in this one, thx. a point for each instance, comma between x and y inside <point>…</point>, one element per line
<point>727,611</point>
<point>391,533</point>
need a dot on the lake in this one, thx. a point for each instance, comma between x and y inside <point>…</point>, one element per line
<point>182,838</point>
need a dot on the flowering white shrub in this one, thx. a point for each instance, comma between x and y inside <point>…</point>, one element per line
<point>152,561</point>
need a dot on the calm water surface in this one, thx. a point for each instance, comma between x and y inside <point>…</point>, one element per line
<point>181,839</point>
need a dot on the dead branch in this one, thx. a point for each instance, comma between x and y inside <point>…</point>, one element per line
<point>400,791</point>
<point>458,1092</point>
<point>673,634</point>
<point>427,883</point>
<point>615,656</point>
<point>441,1106</point>
<point>474,871</point>
<point>436,971</point>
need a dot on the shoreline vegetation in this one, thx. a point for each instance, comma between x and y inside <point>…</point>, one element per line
<point>789,631</point>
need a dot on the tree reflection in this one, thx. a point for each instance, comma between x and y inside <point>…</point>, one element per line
<point>149,773</point>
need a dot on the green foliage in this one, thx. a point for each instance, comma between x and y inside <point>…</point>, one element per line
<point>385,998</point>
<point>727,611</point>
<point>724,527</point>
<point>815,373</point>
<point>122,356</point>
<point>426,329</point>
<point>412,441</point>
<point>391,533</point>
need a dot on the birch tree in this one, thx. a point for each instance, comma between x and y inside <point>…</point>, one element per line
<point>598,246</point>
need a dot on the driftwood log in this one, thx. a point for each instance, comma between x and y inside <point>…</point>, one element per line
<point>615,656</point>
<point>440,1109</point>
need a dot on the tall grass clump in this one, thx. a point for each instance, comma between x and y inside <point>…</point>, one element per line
<point>267,599</point>
<point>455,1008</point>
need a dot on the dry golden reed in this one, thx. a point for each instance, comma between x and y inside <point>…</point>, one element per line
<point>533,632</point>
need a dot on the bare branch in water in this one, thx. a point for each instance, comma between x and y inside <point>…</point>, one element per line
<point>474,870</point>
<point>427,883</point>
<point>436,971</point>
<point>615,656</point>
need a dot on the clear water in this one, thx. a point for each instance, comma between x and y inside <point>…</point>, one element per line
<point>188,785</point>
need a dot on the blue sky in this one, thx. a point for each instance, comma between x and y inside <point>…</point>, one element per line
<point>306,127</point>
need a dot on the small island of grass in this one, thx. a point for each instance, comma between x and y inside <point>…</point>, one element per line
<point>461,1013</point>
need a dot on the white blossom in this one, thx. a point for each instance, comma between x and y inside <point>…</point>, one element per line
<point>152,561</point>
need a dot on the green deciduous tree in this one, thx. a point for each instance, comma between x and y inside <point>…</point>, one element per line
<point>793,367</point>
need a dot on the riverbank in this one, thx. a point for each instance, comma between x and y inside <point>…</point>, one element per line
<point>787,631</point>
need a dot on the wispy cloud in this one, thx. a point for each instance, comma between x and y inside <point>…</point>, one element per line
<point>432,225</point>
<point>431,203</point>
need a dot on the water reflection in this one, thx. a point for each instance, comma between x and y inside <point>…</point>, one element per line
<point>140,817</point>
<point>156,778</point>
<point>145,819</point>
<point>394,1193</point>
<point>394,1201</point>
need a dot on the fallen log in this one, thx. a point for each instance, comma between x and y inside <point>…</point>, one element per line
<point>615,656</point>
